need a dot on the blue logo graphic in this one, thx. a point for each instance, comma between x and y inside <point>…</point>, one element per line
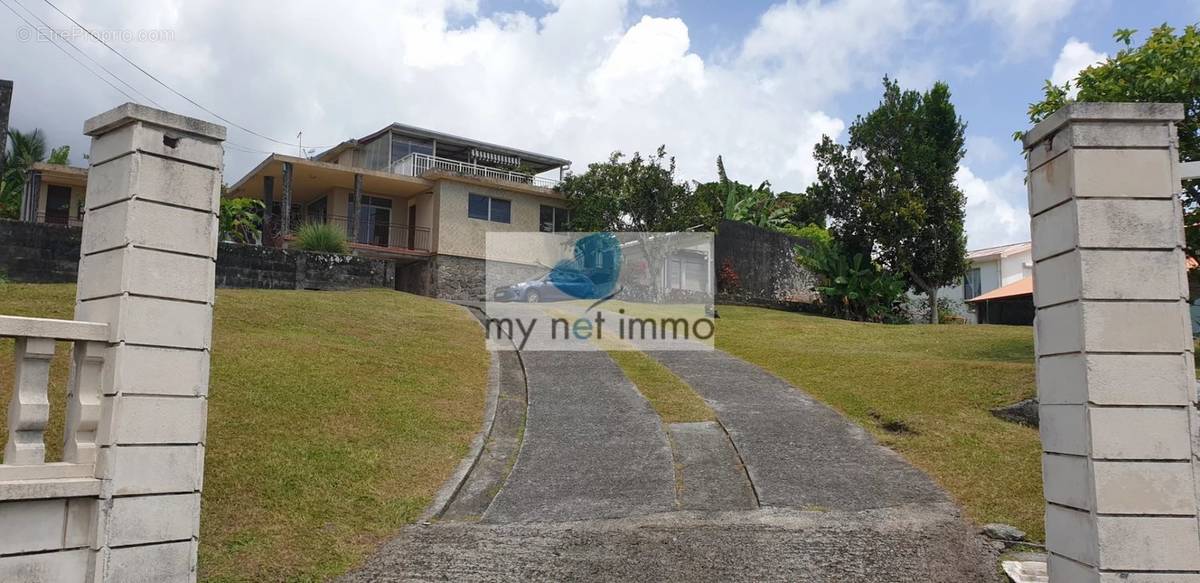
<point>594,272</point>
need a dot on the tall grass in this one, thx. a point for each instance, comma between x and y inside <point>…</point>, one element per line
<point>321,237</point>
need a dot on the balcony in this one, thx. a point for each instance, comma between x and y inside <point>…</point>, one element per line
<point>418,164</point>
<point>375,233</point>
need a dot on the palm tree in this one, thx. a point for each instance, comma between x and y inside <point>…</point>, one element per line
<point>26,148</point>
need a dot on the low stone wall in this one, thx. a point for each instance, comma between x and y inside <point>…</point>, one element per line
<point>41,253</point>
<point>465,278</point>
<point>764,265</point>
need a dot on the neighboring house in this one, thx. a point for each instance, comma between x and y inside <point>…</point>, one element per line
<point>991,268</point>
<point>54,194</point>
<point>424,198</point>
<point>1011,304</point>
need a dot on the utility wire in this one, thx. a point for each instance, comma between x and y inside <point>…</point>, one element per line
<point>64,51</point>
<point>51,31</point>
<point>168,87</point>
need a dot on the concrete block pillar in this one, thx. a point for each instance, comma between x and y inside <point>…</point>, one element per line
<point>1114,348</point>
<point>148,270</point>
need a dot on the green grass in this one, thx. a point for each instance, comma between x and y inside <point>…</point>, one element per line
<point>672,398</point>
<point>938,382</point>
<point>333,418</point>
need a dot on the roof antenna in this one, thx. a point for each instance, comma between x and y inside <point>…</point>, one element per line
<point>300,143</point>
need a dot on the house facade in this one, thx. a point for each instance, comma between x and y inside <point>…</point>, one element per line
<point>422,198</point>
<point>54,194</point>
<point>991,268</point>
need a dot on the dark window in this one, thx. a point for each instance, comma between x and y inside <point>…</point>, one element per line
<point>486,208</point>
<point>553,219</point>
<point>972,284</point>
<point>477,207</point>
<point>501,210</point>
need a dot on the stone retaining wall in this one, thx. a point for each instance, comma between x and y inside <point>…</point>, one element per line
<point>764,262</point>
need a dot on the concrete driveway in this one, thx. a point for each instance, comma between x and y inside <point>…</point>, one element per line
<point>780,488</point>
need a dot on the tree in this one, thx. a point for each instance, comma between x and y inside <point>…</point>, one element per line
<point>890,191</point>
<point>25,149</point>
<point>1164,69</point>
<point>639,195</point>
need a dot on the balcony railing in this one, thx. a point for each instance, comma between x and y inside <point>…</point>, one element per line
<point>418,164</point>
<point>56,219</point>
<point>29,406</point>
<point>384,234</point>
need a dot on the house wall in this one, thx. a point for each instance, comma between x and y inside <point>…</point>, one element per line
<point>1016,267</point>
<point>466,237</point>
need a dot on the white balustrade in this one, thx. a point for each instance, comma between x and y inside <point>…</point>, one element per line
<point>418,164</point>
<point>29,404</point>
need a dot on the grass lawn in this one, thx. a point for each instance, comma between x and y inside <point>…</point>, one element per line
<point>931,386</point>
<point>672,398</point>
<point>333,418</point>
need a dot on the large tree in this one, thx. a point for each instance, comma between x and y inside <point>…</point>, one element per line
<point>1164,69</point>
<point>890,191</point>
<point>25,148</point>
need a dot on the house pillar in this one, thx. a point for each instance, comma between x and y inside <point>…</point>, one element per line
<point>352,212</point>
<point>285,203</point>
<point>147,269</point>
<point>31,196</point>
<point>268,198</point>
<point>1115,374</point>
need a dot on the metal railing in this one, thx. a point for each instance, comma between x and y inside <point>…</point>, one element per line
<point>60,220</point>
<point>418,164</point>
<point>29,406</point>
<point>382,234</point>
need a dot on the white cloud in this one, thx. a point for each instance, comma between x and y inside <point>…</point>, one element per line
<point>579,82</point>
<point>996,208</point>
<point>1026,25</point>
<point>1074,57</point>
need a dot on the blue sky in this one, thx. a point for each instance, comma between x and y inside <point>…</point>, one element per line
<point>755,81</point>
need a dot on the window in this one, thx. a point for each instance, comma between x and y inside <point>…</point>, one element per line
<point>486,208</point>
<point>972,283</point>
<point>552,219</point>
<point>686,271</point>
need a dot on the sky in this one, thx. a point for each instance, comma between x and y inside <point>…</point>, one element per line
<point>758,82</point>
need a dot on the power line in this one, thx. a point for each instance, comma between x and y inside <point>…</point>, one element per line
<point>53,32</point>
<point>168,87</point>
<point>64,51</point>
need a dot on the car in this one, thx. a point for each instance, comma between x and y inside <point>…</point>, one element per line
<point>557,285</point>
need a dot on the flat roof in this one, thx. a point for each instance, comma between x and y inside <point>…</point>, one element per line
<point>542,162</point>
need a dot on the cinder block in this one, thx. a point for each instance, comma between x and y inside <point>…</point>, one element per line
<point>1063,428</point>
<point>32,525</point>
<point>1131,173</point>
<point>1140,433</point>
<point>1135,326</point>
<point>1132,275</point>
<point>151,519</point>
<point>144,137</point>
<point>1048,149</point>
<point>60,567</point>
<point>1051,183</point>
<point>1063,570</point>
<point>1127,224</point>
<point>152,470</point>
<point>1139,379</point>
<point>1071,533</point>
<point>152,321</point>
<point>1057,280</point>
<point>141,420</point>
<point>1054,231</point>
<point>153,178</point>
<point>1109,134</point>
<point>1142,543</point>
<point>1062,380</point>
<point>1059,329</point>
<point>1066,480</point>
<point>1144,488</point>
<point>147,272</point>
<point>165,563</point>
<point>150,370</point>
<point>152,225</point>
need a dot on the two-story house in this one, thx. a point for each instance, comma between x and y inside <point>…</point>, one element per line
<point>424,198</point>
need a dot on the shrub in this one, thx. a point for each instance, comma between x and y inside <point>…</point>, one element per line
<point>728,279</point>
<point>321,237</point>
<point>241,219</point>
<point>853,288</point>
